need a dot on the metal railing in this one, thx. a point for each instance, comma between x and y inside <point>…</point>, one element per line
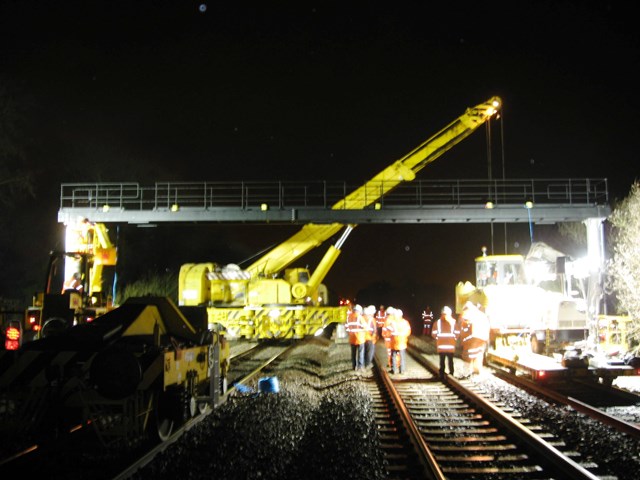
<point>325,194</point>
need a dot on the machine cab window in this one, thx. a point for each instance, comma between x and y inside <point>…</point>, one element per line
<point>505,270</point>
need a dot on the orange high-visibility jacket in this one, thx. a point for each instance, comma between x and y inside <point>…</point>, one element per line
<point>370,330</point>
<point>400,334</point>
<point>446,334</point>
<point>388,329</point>
<point>356,327</point>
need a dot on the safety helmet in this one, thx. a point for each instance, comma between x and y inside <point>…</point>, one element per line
<point>398,312</point>
<point>358,308</point>
<point>446,310</point>
<point>391,311</point>
<point>370,310</point>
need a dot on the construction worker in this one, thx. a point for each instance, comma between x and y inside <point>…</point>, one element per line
<point>427,321</point>
<point>399,340</point>
<point>474,344</point>
<point>370,335</point>
<point>74,283</point>
<point>356,329</point>
<point>381,317</point>
<point>466,336</point>
<point>387,332</point>
<point>446,334</point>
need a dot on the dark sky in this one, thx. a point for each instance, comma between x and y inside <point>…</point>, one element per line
<point>163,91</point>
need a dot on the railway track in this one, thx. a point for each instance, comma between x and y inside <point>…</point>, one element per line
<point>612,406</point>
<point>467,436</point>
<point>404,452</point>
<point>426,428</point>
<point>606,404</point>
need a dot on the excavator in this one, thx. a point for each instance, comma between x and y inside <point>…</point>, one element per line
<point>268,300</point>
<point>74,291</point>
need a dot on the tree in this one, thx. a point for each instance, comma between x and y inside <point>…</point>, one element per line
<point>624,266</point>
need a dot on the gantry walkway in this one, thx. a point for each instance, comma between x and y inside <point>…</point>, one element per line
<point>419,201</point>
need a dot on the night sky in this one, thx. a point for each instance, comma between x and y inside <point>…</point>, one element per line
<point>188,91</point>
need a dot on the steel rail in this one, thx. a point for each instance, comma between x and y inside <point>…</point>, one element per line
<point>548,455</point>
<point>578,405</point>
<point>425,455</point>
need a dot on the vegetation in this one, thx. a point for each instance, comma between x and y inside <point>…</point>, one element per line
<point>624,266</point>
<point>161,285</point>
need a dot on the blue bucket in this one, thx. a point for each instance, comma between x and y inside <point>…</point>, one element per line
<point>268,385</point>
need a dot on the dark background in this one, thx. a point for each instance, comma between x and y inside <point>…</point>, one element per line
<point>172,91</point>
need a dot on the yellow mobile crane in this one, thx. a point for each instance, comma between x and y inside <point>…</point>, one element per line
<point>269,300</point>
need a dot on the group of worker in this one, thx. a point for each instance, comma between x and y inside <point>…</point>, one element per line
<point>366,325</point>
<point>471,328</point>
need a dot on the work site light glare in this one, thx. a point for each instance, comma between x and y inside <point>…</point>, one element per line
<point>489,205</point>
<point>175,207</point>
<point>528,204</point>
<point>106,207</point>
<point>264,207</point>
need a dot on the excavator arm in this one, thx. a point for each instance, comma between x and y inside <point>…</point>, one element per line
<point>402,170</point>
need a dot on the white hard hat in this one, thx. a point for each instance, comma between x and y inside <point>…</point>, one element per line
<point>446,310</point>
<point>398,312</point>
<point>358,308</point>
<point>391,311</point>
<point>370,310</point>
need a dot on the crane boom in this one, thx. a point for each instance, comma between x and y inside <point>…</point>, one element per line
<point>406,168</point>
<point>402,170</point>
<point>269,299</point>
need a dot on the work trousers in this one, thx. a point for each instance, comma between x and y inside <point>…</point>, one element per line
<point>369,350</point>
<point>398,360</point>
<point>446,357</point>
<point>357,356</point>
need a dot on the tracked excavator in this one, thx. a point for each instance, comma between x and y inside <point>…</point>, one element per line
<point>269,300</point>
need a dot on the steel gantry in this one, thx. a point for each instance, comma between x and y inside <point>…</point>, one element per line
<point>536,201</point>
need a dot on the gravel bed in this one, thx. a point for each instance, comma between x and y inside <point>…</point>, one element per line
<point>319,425</point>
<point>614,452</point>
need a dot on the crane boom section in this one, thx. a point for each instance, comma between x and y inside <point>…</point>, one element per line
<point>403,170</point>
<point>310,236</point>
<point>406,168</point>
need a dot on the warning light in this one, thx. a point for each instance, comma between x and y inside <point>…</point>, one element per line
<point>12,340</point>
<point>33,320</point>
